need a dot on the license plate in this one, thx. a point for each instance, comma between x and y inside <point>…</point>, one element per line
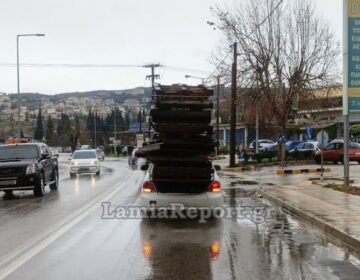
<point>83,169</point>
<point>7,182</point>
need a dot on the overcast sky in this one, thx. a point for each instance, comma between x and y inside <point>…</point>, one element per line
<point>123,32</point>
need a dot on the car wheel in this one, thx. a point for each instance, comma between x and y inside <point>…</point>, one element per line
<point>341,160</point>
<point>318,159</point>
<point>55,185</point>
<point>39,187</point>
<point>98,173</point>
<point>72,175</point>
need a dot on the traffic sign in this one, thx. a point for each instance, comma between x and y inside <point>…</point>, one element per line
<point>353,56</point>
<point>308,130</point>
<point>322,137</point>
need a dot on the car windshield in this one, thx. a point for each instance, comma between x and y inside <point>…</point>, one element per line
<point>18,152</point>
<point>354,145</point>
<point>84,155</point>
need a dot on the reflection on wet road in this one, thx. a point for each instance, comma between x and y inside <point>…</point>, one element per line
<point>237,247</point>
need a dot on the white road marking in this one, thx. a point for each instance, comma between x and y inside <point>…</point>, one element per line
<point>21,255</point>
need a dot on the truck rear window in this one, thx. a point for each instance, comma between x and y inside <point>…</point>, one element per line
<point>18,152</point>
<point>84,155</point>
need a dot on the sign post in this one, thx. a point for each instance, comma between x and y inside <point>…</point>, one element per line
<point>322,137</point>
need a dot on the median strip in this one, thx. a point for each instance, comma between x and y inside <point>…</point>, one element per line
<point>240,168</point>
<point>301,171</point>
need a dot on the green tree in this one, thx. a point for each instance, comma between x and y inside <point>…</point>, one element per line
<point>49,133</point>
<point>143,115</point>
<point>355,130</point>
<point>39,132</point>
<point>121,121</point>
<point>127,121</point>
<point>77,127</point>
<point>64,131</point>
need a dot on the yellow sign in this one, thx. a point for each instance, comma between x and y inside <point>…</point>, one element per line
<point>354,8</point>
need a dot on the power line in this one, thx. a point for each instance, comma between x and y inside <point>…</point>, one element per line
<point>270,14</point>
<point>75,65</point>
<point>70,65</point>
<point>220,64</point>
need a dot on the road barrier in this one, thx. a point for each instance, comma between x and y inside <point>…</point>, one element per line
<point>301,171</point>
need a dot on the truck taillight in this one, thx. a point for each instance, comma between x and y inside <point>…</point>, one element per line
<point>149,187</point>
<point>214,186</point>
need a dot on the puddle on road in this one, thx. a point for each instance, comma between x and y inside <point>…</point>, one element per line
<point>239,192</point>
<point>231,176</point>
<point>243,182</point>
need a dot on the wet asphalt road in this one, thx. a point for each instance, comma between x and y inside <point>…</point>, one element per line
<point>62,236</point>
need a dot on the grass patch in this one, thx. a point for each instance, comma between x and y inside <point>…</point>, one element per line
<point>338,187</point>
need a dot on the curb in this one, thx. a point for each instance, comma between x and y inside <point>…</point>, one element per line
<point>301,171</point>
<point>349,240</point>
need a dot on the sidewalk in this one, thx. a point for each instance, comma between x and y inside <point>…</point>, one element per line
<point>334,212</point>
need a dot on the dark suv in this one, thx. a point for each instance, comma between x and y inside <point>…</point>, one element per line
<point>28,167</point>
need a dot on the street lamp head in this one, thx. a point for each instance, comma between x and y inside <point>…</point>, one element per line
<point>29,35</point>
<point>187,76</point>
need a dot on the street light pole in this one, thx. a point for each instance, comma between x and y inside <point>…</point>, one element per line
<point>194,77</point>
<point>95,116</point>
<point>18,85</point>
<point>18,75</point>
<point>218,112</point>
<point>115,144</point>
<point>233,109</point>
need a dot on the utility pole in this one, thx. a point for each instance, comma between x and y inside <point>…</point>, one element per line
<point>218,111</point>
<point>233,108</point>
<point>257,132</point>
<point>257,115</point>
<point>95,115</point>
<point>140,121</point>
<point>153,76</point>
<point>115,130</point>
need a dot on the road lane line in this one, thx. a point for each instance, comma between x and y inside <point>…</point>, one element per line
<point>21,255</point>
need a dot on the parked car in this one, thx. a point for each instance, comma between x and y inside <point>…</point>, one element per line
<point>85,147</point>
<point>28,167</point>
<point>127,150</point>
<point>292,144</point>
<point>84,162</point>
<point>136,162</point>
<point>335,152</point>
<point>263,143</point>
<point>272,150</point>
<point>100,153</point>
<point>310,146</point>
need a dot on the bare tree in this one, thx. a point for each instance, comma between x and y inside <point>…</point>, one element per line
<point>285,51</point>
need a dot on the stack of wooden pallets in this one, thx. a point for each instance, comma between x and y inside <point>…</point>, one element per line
<point>181,116</point>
